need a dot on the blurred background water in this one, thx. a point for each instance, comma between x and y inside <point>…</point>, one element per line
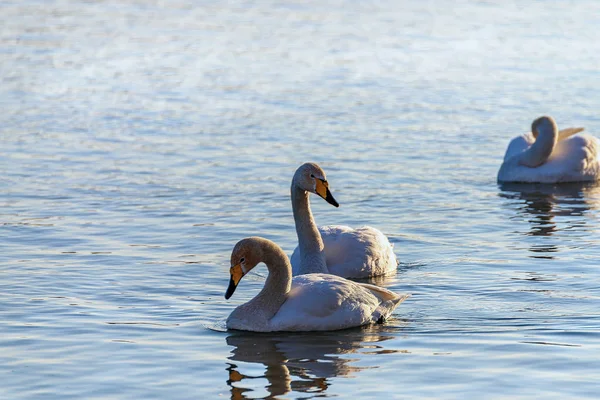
<point>142,139</point>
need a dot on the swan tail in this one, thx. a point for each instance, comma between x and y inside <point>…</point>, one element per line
<point>568,132</point>
<point>400,299</point>
<point>384,310</point>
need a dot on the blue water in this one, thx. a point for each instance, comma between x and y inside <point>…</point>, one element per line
<point>142,140</point>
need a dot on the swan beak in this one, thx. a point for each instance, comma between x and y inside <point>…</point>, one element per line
<point>236,275</point>
<point>322,189</point>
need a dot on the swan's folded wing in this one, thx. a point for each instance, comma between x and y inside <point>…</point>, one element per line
<point>358,253</point>
<point>325,302</point>
<point>578,155</point>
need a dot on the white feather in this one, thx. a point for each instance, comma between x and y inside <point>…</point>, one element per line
<point>354,253</point>
<point>323,302</point>
<point>311,302</point>
<point>573,159</point>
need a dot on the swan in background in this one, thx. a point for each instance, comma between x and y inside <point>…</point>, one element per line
<point>547,155</point>
<point>313,302</point>
<point>339,250</point>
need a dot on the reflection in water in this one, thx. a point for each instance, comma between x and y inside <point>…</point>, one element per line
<point>540,204</point>
<point>299,362</point>
<point>384,281</point>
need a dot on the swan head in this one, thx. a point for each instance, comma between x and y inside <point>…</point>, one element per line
<point>544,124</point>
<point>311,178</point>
<point>246,254</point>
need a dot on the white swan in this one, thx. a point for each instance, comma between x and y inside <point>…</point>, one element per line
<point>547,155</point>
<point>338,250</point>
<point>313,302</point>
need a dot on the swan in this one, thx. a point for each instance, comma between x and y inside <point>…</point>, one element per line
<point>339,250</point>
<point>313,302</point>
<point>547,155</point>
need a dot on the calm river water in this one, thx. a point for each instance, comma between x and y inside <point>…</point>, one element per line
<point>142,139</point>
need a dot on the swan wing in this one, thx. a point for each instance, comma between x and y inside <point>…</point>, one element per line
<point>576,158</point>
<point>358,253</point>
<point>319,302</point>
<point>354,253</point>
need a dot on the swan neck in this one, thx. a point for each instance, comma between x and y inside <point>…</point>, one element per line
<point>541,149</point>
<point>310,244</point>
<point>278,283</point>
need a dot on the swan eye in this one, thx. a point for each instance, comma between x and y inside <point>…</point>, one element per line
<point>242,260</point>
<point>312,176</point>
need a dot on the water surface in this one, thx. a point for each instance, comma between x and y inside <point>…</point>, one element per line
<point>142,140</point>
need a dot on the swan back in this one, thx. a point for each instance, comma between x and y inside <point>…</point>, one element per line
<point>358,253</point>
<point>328,302</point>
<point>576,158</point>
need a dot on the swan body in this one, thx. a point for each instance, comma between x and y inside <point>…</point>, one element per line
<point>547,155</point>
<point>312,302</point>
<point>350,253</point>
<point>353,253</point>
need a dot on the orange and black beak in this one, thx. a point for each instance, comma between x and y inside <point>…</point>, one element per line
<point>322,190</point>
<point>236,275</point>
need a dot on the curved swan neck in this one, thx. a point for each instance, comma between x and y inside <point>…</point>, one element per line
<point>310,244</point>
<point>278,283</point>
<point>542,148</point>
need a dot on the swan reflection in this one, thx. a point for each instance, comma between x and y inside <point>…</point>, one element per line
<point>385,281</point>
<point>299,362</point>
<point>541,204</point>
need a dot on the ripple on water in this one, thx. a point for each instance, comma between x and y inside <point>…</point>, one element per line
<point>141,141</point>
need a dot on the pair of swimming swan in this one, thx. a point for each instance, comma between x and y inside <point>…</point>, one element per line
<point>547,155</point>
<point>315,299</point>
